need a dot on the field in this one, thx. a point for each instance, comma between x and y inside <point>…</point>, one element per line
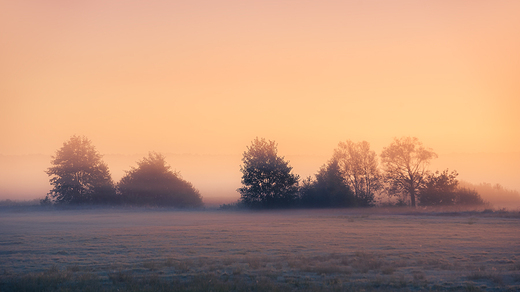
<point>294,250</point>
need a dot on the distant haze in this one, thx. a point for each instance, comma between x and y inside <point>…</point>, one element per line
<point>217,177</point>
<point>199,80</point>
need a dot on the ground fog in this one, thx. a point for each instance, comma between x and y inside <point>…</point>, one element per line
<point>308,250</point>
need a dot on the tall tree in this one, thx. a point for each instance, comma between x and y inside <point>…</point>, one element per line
<point>153,183</point>
<point>266,177</point>
<point>78,175</point>
<point>405,164</point>
<point>359,167</point>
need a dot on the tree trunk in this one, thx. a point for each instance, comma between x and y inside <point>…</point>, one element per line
<point>412,198</point>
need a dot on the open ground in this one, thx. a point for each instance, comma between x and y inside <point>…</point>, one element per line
<point>129,249</point>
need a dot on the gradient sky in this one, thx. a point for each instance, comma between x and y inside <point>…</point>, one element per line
<point>207,77</point>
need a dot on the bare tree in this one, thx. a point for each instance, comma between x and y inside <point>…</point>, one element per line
<point>359,167</point>
<point>405,164</point>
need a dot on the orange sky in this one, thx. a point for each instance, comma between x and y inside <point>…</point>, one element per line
<point>207,77</point>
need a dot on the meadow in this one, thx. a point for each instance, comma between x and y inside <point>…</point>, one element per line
<point>140,249</point>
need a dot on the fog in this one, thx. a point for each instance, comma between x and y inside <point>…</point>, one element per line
<point>204,78</point>
<point>216,176</point>
<point>198,80</point>
<point>22,177</point>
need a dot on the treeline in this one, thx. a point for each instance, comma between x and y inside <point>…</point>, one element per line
<point>79,176</point>
<point>354,177</point>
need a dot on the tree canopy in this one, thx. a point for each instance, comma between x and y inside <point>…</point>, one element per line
<point>359,168</point>
<point>442,189</point>
<point>329,189</point>
<point>405,164</point>
<point>153,183</point>
<point>79,176</point>
<point>439,189</point>
<point>266,177</point>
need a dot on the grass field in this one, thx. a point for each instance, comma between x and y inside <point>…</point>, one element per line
<point>305,250</point>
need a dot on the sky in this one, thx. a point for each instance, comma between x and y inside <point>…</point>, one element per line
<point>204,78</point>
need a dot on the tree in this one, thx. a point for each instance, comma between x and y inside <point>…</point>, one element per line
<point>266,178</point>
<point>154,183</point>
<point>404,163</point>
<point>329,189</point>
<point>440,189</point>
<point>78,175</point>
<point>468,197</point>
<point>359,167</point>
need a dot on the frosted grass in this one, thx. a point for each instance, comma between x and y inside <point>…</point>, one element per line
<point>338,248</point>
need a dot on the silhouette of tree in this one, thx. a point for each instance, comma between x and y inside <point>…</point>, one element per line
<point>466,196</point>
<point>329,189</point>
<point>359,167</point>
<point>404,163</point>
<point>440,189</point>
<point>153,183</point>
<point>79,176</point>
<point>266,178</point>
